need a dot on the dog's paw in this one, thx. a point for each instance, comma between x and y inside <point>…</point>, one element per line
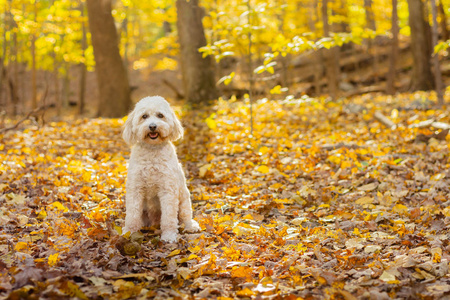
<point>169,236</point>
<point>193,227</point>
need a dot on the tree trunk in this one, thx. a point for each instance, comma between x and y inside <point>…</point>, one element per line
<point>198,73</point>
<point>390,89</point>
<point>370,20</point>
<point>285,61</point>
<point>33,63</point>
<point>114,89</point>
<point>342,26</point>
<point>370,23</point>
<point>422,78</point>
<point>167,28</point>
<point>10,87</point>
<point>331,56</point>
<point>126,41</point>
<point>314,14</point>
<point>15,76</point>
<point>436,65</point>
<point>251,78</point>
<point>3,60</point>
<point>82,83</point>
<point>57,100</point>
<point>443,23</point>
<point>66,87</point>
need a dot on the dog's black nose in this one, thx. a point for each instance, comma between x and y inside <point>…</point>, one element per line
<point>152,126</point>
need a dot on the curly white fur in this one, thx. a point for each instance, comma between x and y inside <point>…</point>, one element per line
<point>156,186</point>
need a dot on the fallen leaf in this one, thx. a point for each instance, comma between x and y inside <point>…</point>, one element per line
<point>387,277</point>
<point>242,272</point>
<point>263,169</point>
<point>364,200</point>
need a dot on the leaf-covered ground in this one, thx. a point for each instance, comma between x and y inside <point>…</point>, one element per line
<point>322,202</point>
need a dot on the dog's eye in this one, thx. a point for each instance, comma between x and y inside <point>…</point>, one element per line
<point>160,115</point>
<point>144,116</point>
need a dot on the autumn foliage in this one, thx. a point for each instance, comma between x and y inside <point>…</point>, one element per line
<point>322,201</point>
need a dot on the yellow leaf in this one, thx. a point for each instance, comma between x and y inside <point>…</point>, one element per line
<point>229,78</point>
<point>195,249</point>
<point>174,252</point>
<point>248,217</point>
<point>263,169</point>
<point>405,30</point>
<point>242,272</point>
<point>276,90</point>
<point>42,215</point>
<point>276,186</point>
<point>284,201</point>
<point>26,150</point>
<point>211,123</point>
<point>166,64</point>
<point>346,164</point>
<point>59,206</point>
<point>394,114</point>
<point>399,208</point>
<point>245,293</point>
<point>86,176</point>
<point>20,246</point>
<point>249,163</point>
<point>71,150</point>
<point>263,150</point>
<point>118,229</point>
<point>226,79</point>
<point>259,69</point>
<point>190,257</point>
<point>53,259</point>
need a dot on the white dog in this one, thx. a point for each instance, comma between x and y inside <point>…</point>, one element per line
<point>156,186</point>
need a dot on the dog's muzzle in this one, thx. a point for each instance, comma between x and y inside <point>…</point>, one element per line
<point>153,134</point>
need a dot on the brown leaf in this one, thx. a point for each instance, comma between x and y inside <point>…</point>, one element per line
<point>27,276</point>
<point>324,277</point>
<point>98,233</point>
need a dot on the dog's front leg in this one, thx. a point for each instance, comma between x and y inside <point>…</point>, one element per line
<point>190,225</point>
<point>169,216</point>
<point>134,207</point>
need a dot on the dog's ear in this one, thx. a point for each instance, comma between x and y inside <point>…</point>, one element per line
<point>177,128</point>
<point>128,132</point>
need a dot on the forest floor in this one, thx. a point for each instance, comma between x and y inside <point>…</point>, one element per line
<point>321,202</point>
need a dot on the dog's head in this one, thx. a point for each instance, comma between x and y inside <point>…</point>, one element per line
<point>152,121</point>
